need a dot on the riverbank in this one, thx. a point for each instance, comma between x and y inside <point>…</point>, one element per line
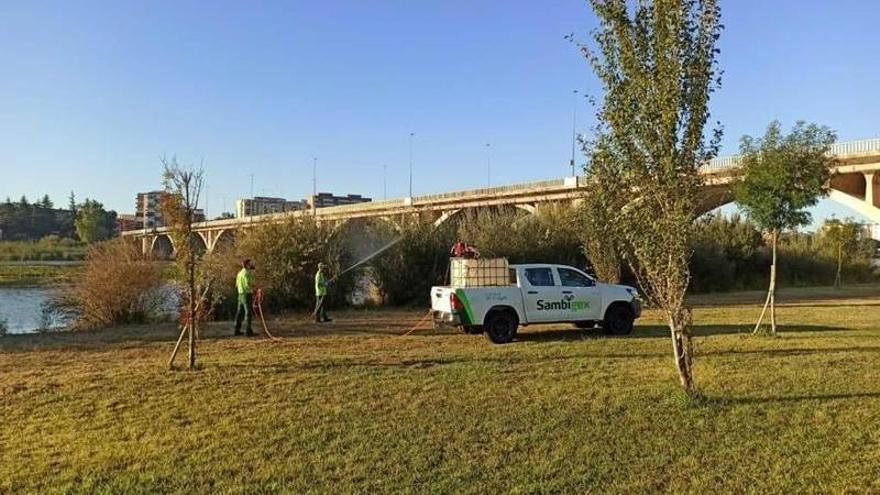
<point>355,406</point>
<point>37,274</point>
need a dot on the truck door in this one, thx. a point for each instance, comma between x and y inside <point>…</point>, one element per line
<point>580,292</point>
<point>542,294</point>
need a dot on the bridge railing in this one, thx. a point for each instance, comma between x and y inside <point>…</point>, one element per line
<point>495,191</point>
<point>853,147</point>
<point>367,206</point>
<point>843,148</point>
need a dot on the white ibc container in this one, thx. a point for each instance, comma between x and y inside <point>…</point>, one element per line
<point>468,272</point>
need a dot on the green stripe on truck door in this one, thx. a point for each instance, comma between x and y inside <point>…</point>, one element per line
<point>468,312</point>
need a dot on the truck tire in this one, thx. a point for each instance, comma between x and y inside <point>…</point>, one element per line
<point>472,329</point>
<point>618,320</point>
<point>501,327</point>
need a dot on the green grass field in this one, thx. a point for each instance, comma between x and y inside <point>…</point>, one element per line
<point>356,407</point>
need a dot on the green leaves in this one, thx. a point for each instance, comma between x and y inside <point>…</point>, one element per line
<point>783,175</point>
<point>93,223</point>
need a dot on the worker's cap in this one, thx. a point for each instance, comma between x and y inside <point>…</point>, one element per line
<point>322,265</point>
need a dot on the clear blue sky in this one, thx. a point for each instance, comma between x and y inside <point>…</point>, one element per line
<point>93,92</point>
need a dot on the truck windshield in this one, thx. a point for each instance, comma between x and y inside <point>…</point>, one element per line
<point>540,277</point>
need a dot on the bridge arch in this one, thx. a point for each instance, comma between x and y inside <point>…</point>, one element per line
<point>162,247</point>
<point>839,193</point>
<point>198,243</point>
<point>225,237</point>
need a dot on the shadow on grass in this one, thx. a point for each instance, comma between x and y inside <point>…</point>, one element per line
<point>659,331</point>
<point>789,296</point>
<point>431,362</point>
<point>794,351</point>
<point>157,333</point>
<point>138,335</point>
<point>722,401</point>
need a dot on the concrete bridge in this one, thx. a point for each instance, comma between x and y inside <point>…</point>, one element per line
<point>855,184</point>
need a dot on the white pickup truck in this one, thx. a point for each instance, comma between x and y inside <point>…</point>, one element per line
<point>537,293</point>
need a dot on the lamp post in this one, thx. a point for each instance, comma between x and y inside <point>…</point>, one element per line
<point>411,162</point>
<point>314,184</point>
<point>573,128</point>
<point>488,165</point>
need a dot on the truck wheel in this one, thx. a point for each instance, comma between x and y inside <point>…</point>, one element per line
<point>472,329</point>
<point>618,320</point>
<point>500,327</point>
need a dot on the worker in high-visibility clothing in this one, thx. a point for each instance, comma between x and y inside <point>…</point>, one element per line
<point>244,287</point>
<point>320,294</point>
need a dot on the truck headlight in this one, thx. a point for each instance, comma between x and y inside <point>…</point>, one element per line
<point>633,292</point>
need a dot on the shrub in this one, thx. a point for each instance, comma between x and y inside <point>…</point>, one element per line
<point>405,272</point>
<point>4,326</point>
<point>727,254</point>
<point>220,268</point>
<point>116,286</point>
<point>731,254</point>
<point>549,236</point>
<point>287,256</point>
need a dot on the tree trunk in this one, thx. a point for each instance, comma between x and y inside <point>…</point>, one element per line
<point>191,283</point>
<point>682,351</point>
<point>775,237</point>
<point>771,291</point>
<point>194,320</point>
<point>837,280</point>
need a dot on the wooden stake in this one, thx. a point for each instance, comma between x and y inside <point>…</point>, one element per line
<point>177,346</point>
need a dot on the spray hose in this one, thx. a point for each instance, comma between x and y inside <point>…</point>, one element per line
<point>258,308</point>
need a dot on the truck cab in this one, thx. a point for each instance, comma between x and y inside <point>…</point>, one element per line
<point>537,293</point>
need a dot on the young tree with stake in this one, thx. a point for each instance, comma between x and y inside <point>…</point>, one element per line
<point>842,239</point>
<point>184,186</point>
<point>656,60</point>
<point>782,176</point>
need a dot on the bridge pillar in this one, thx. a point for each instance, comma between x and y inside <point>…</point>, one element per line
<point>872,188</point>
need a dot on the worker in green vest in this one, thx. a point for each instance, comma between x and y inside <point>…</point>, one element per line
<point>244,287</point>
<point>320,294</point>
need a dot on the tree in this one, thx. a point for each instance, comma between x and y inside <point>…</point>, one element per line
<point>46,202</point>
<point>72,203</point>
<point>598,233</point>
<point>93,223</point>
<point>782,176</point>
<point>657,65</point>
<point>842,239</point>
<point>184,186</point>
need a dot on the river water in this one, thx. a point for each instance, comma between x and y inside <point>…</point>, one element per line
<point>21,308</point>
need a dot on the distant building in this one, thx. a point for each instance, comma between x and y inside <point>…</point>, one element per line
<point>324,199</point>
<point>260,205</point>
<point>127,222</point>
<point>148,211</point>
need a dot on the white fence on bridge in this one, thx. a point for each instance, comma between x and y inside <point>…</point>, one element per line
<point>843,148</point>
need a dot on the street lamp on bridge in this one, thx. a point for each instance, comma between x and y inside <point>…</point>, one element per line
<point>573,129</point>
<point>411,135</point>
